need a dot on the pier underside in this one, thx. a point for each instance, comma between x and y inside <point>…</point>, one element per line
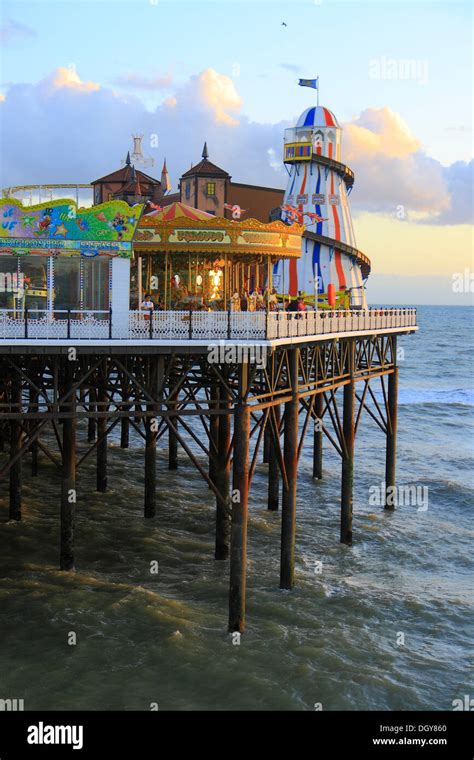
<point>224,409</point>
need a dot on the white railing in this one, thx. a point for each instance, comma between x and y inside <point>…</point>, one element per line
<point>201,326</point>
<point>62,324</point>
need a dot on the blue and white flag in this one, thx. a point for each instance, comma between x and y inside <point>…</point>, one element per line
<point>314,83</point>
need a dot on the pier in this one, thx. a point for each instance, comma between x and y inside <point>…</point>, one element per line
<point>234,385</point>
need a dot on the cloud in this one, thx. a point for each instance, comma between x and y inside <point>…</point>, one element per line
<point>139,82</point>
<point>218,93</point>
<point>392,172</point>
<point>459,178</point>
<point>63,129</point>
<point>68,78</point>
<point>290,67</point>
<point>13,31</point>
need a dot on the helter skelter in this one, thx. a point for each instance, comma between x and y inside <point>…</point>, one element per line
<point>331,268</point>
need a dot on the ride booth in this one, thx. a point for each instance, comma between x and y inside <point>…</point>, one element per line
<point>60,263</point>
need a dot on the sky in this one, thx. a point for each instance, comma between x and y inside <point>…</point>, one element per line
<point>78,78</point>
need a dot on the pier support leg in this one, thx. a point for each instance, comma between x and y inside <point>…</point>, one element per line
<point>273,469</point>
<point>318,438</point>
<point>150,466</point>
<point>34,446</point>
<point>213,434</point>
<point>102,431</point>
<point>68,483</point>
<point>391,452</point>
<point>222,479</point>
<point>266,445</point>
<point>290,452</point>
<point>238,539</point>
<point>124,432</point>
<point>91,423</point>
<point>347,475</point>
<point>15,445</point>
<point>173,445</point>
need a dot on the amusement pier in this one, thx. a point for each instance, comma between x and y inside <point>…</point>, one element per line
<point>224,322</point>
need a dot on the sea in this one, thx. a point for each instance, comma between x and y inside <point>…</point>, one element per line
<point>386,624</point>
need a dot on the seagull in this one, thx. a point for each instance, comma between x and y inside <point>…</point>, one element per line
<point>283,23</point>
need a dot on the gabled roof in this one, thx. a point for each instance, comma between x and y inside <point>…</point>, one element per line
<point>125,175</point>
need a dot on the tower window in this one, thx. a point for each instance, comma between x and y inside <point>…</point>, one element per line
<point>210,188</point>
<point>188,190</point>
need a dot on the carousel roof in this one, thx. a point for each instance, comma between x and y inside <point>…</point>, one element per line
<point>178,210</point>
<point>183,229</point>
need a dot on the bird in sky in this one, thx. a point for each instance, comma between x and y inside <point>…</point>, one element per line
<point>283,23</point>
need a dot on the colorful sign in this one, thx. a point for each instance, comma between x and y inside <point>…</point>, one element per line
<point>59,227</point>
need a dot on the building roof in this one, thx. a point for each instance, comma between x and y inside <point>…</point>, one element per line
<point>317,116</point>
<point>125,175</point>
<point>205,167</point>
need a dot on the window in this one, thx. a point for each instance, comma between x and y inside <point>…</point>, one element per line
<point>211,211</point>
<point>210,188</point>
<point>188,190</point>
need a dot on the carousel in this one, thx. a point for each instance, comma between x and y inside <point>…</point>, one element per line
<point>187,259</point>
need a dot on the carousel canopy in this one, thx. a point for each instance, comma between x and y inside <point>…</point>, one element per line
<point>182,229</point>
<point>177,211</point>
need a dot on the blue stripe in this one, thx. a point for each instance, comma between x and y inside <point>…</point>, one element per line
<point>309,121</point>
<point>293,183</point>
<point>319,225</point>
<point>317,266</point>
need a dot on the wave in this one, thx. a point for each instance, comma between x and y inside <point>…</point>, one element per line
<point>461,396</point>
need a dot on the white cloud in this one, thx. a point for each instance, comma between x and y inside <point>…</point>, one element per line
<point>63,129</point>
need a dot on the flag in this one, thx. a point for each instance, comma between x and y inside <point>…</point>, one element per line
<point>314,83</point>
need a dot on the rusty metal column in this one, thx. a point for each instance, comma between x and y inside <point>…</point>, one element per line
<point>91,423</point>
<point>172,440</point>
<point>392,411</point>
<point>102,428</point>
<point>213,432</point>
<point>156,371</point>
<point>34,448</point>
<point>15,445</point>
<point>222,477</point>
<point>273,468</point>
<point>318,438</point>
<point>290,452</point>
<point>347,475</point>
<point>240,485</point>
<point>68,476</point>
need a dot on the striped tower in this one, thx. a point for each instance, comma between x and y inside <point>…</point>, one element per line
<point>319,184</point>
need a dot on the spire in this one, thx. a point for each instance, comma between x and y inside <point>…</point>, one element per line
<point>127,160</point>
<point>205,153</point>
<point>165,179</point>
